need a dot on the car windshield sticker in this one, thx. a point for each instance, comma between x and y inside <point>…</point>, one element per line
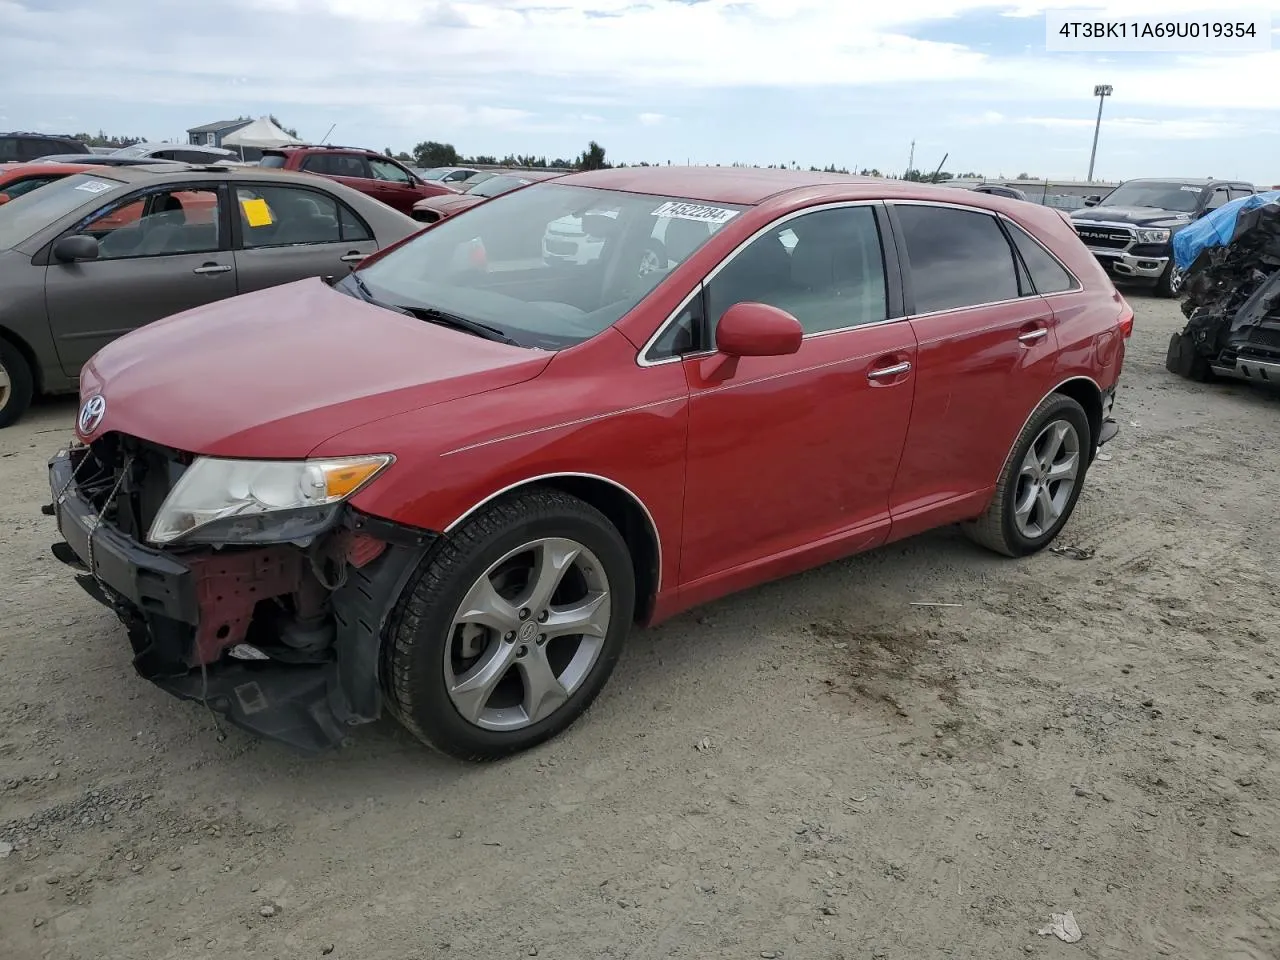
<point>256,212</point>
<point>93,186</point>
<point>1190,189</point>
<point>695,211</point>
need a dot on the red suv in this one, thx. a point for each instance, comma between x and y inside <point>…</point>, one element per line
<point>371,173</point>
<point>447,484</point>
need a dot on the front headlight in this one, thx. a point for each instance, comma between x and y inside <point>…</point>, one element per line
<point>260,501</point>
<point>1153,236</point>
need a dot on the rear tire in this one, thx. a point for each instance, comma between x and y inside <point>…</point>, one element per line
<point>483,660</point>
<point>17,384</point>
<point>1040,483</point>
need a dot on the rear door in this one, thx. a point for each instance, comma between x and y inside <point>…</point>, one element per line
<point>287,233</point>
<point>161,251</point>
<point>987,349</point>
<point>348,168</point>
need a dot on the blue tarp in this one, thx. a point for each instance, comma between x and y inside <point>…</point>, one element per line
<point>1216,229</point>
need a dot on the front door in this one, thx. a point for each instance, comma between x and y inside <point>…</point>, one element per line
<point>988,346</point>
<point>792,451</point>
<point>393,185</point>
<point>294,232</point>
<point>160,252</point>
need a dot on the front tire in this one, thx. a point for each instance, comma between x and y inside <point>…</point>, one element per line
<point>17,384</point>
<point>1040,483</point>
<point>511,627</point>
<point>1171,281</point>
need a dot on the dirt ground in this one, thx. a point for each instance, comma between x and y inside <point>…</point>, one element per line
<point>815,769</point>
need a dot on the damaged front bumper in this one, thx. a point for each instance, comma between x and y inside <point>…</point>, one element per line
<point>251,632</point>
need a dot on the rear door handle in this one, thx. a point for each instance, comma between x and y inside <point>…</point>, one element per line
<point>352,257</point>
<point>885,372</point>
<point>213,268</point>
<point>1031,336</point>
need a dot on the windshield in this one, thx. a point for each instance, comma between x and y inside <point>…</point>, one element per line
<point>1161,195</point>
<point>550,265</point>
<point>137,150</point>
<point>22,217</point>
<point>435,173</point>
<point>492,186</point>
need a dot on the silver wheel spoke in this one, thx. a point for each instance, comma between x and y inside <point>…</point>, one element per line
<point>4,379</point>
<point>484,606</point>
<point>1064,469</point>
<point>1048,509</point>
<point>473,689</point>
<point>554,557</point>
<point>1053,444</point>
<point>1022,509</point>
<point>589,618</point>
<point>544,694</point>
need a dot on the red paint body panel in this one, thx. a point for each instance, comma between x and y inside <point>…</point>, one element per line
<point>748,468</point>
<point>274,373</point>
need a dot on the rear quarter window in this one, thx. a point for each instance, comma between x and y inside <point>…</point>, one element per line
<point>1047,274</point>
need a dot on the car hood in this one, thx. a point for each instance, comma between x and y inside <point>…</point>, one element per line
<point>277,372</point>
<point>453,201</point>
<point>1137,216</point>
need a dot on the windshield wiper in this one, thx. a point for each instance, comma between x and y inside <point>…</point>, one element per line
<point>446,319</point>
<point>432,315</point>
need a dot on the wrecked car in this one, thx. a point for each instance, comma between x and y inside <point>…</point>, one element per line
<point>1232,301</point>
<point>447,485</point>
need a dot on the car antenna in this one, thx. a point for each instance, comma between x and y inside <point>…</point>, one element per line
<point>325,139</point>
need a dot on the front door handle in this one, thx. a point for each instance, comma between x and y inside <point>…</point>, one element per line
<point>213,268</point>
<point>352,257</point>
<point>1031,336</point>
<point>885,372</point>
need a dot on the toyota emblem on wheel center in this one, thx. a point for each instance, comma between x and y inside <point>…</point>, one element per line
<point>91,414</point>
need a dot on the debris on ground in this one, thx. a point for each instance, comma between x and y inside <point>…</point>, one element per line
<point>1075,553</point>
<point>1232,290</point>
<point>1063,926</point>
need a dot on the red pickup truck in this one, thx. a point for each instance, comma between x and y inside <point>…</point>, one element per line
<point>365,170</point>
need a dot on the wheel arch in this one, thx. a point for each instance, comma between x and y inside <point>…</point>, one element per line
<point>1086,392</point>
<point>622,507</point>
<point>28,354</point>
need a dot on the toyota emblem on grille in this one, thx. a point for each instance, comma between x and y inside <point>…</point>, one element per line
<point>91,414</point>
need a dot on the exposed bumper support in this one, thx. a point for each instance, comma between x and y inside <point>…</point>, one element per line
<point>163,599</point>
<point>1127,265</point>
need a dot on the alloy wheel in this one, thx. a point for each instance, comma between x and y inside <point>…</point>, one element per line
<point>527,634</point>
<point>6,386</point>
<point>1046,479</point>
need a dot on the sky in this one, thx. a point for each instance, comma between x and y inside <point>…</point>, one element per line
<point>844,82</point>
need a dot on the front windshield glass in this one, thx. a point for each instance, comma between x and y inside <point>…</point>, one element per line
<point>1161,195</point>
<point>137,150</point>
<point>435,173</point>
<point>21,218</point>
<point>550,265</point>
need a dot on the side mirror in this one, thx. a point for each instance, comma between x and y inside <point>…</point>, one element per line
<point>78,246</point>
<point>758,330</point>
<point>1092,201</point>
<point>4,198</point>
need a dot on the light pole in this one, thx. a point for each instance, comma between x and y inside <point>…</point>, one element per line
<point>1101,91</point>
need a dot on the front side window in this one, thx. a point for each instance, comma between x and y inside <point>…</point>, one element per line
<point>287,216</point>
<point>958,258</point>
<point>824,268</point>
<point>551,265</point>
<point>386,170</point>
<point>159,224</point>
<point>1217,198</point>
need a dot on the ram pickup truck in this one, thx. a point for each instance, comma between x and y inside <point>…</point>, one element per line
<point>1131,229</point>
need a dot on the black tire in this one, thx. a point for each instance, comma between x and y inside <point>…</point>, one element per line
<point>1170,283</point>
<point>996,529</point>
<point>420,631</point>
<point>1182,358</point>
<point>17,396</point>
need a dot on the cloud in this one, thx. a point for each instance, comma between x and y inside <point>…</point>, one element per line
<point>1146,128</point>
<point>651,119</point>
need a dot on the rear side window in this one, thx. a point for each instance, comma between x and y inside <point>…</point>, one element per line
<point>958,258</point>
<point>289,216</point>
<point>272,160</point>
<point>1047,274</point>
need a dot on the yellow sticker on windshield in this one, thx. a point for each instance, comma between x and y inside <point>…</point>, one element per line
<point>256,212</point>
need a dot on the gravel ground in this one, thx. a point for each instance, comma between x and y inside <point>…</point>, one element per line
<point>814,769</point>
